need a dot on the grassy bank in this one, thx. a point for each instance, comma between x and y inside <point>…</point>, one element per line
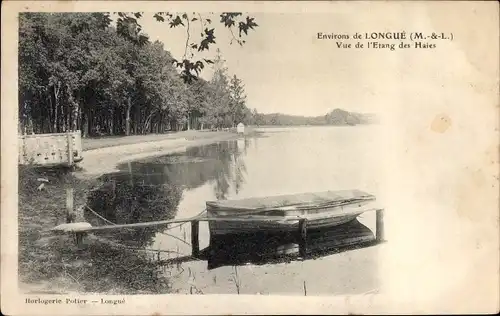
<point>41,207</point>
<point>54,264</point>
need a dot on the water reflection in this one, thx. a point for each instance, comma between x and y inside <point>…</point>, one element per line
<point>220,163</point>
<point>151,189</point>
<point>264,248</point>
<point>126,199</point>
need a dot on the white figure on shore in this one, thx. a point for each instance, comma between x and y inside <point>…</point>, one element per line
<point>240,128</point>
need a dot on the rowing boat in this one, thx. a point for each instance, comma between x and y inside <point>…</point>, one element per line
<point>282,213</point>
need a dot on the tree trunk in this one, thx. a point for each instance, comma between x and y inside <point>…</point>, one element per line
<point>137,122</point>
<point>76,111</point>
<point>51,113</point>
<point>90,121</point>
<point>80,114</point>
<point>63,118</point>
<point>85,125</point>
<point>118,122</point>
<point>147,123</point>
<point>111,122</point>
<point>56,90</point>
<point>127,117</point>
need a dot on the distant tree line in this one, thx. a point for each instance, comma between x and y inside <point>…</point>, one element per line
<point>79,72</point>
<point>335,117</point>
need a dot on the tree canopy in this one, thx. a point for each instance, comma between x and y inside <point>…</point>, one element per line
<point>77,71</point>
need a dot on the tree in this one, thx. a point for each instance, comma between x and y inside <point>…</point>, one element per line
<point>239,111</point>
<point>220,98</point>
<point>198,103</point>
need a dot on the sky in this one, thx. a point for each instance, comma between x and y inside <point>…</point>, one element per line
<point>287,69</point>
<point>283,65</point>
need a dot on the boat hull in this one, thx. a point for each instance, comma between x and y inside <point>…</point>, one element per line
<point>277,224</point>
<point>277,214</point>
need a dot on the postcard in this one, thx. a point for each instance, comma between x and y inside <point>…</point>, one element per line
<point>267,157</point>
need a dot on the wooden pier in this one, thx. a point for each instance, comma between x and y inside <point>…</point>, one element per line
<point>81,229</point>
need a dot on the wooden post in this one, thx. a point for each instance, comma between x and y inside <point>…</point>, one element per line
<point>79,214</point>
<point>379,226</point>
<point>195,228</point>
<point>70,148</point>
<point>131,174</point>
<point>79,238</point>
<point>70,214</point>
<point>303,238</point>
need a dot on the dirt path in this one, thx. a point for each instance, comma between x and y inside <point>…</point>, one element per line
<point>112,141</point>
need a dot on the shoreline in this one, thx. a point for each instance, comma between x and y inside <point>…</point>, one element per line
<point>37,248</point>
<point>115,141</point>
<point>45,208</point>
<point>103,155</point>
<point>100,160</point>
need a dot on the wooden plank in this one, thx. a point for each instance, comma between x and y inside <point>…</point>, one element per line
<point>340,213</point>
<point>300,200</point>
<point>293,211</point>
<point>200,218</point>
<point>135,225</point>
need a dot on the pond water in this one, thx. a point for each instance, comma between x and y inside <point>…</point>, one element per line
<point>278,161</point>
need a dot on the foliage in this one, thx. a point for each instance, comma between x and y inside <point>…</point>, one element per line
<point>78,71</point>
<point>130,28</point>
